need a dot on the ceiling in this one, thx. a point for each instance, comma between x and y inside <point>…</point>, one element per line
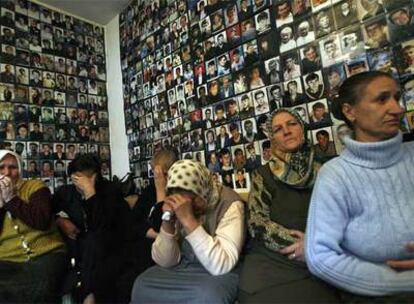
<point>98,11</point>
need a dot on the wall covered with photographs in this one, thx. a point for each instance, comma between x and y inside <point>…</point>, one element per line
<point>53,102</point>
<point>202,76</point>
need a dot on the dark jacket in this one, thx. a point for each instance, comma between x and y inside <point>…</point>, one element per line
<point>100,248</point>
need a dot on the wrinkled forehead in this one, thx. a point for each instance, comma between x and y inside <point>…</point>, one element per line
<point>8,159</point>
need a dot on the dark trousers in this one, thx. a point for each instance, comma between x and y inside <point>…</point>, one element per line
<point>35,281</point>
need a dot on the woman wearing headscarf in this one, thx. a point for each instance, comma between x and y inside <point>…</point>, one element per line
<point>32,256</point>
<point>360,227</point>
<point>198,248</point>
<point>275,269</point>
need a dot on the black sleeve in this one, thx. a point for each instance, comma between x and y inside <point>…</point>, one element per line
<point>154,218</point>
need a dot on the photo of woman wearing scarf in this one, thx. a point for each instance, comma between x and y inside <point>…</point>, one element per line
<point>197,249</point>
<point>275,269</point>
<point>32,258</point>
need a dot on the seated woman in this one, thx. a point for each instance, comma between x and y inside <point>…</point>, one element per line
<point>360,232</point>
<point>32,255</point>
<point>198,248</point>
<point>96,221</point>
<point>275,269</point>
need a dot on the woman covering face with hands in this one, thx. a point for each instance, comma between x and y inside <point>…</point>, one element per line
<point>31,251</point>
<point>199,247</point>
<point>96,223</point>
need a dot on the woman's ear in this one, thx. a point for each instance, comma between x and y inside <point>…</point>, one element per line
<point>348,111</point>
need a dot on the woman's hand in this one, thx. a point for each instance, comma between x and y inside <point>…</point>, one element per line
<point>67,227</point>
<point>181,204</point>
<point>7,188</point>
<point>85,184</point>
<point>403,264</point>
<point>295,251</point>
<point>160,182</point>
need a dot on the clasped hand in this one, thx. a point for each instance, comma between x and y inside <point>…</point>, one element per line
<point>181,205</point>
<point>7,190</point>
<point>296,250</point>
<point>403,264</point>
<point>85,184</point>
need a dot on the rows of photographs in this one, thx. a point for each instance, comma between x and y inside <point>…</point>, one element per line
<point>53,102</point>
<point>202,76</point>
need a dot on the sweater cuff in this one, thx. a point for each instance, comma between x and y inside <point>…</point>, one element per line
<point>164,234</point>
<point>197,237</point>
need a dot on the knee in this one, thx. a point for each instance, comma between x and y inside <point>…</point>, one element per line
<point>135,293</point>
<point>212,291</point>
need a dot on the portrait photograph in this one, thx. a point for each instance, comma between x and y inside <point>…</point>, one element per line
<point>290,65</point>
<point>304,32</point>
<point>7,92</point>
<point>346,13</point>
<point>234,35</point>
<point>253,159</point>
<point>303,113</point>
<point>262,22</point>
<point>401,24</point>
<point>246,105</point>
<point>273,70</point>
<point>383,60</point>
<point>376,33</point>
<point>323,144</point>
<point>339,133</point>
<point>231,16</point>
<point>324,22</point>
<point>314,85</point>
<point>335,76</point>
<point>275,96</point>
<point>261,103</point>
<point>248,29</point>
<point>319,114</point>
<point>352,41</point>
<point>283,13</point>
<point>236,59</point>
<point>310,58</point>
<point>268,45</point>
<point>408,93</point>
<point>265,151</point>
<point>293,92</point>
<point>330,49</point>
<point>287,38</point>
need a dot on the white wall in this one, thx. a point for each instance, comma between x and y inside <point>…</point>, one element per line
<point>119,144</point>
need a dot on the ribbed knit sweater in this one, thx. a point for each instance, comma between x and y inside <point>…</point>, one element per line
<point>361,215</point>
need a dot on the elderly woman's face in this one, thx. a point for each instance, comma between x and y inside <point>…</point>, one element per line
<point>287,133</point>
<point>377,115</point>
<point>9,167</point>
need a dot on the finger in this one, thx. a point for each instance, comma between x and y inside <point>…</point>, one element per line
<point>158,171</point>
<point>406,264</point>
<point>288,250</point>
<point>297,233</point>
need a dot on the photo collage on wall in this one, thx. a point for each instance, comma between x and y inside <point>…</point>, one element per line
<point>53,103</point>
<point>202,76</point>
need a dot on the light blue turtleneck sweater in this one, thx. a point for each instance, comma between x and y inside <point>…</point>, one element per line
<point>361,215</point>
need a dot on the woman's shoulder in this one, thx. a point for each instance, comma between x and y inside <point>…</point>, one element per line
<point>335,167</point>
<point>409,147</point>
<point>32,185</point>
